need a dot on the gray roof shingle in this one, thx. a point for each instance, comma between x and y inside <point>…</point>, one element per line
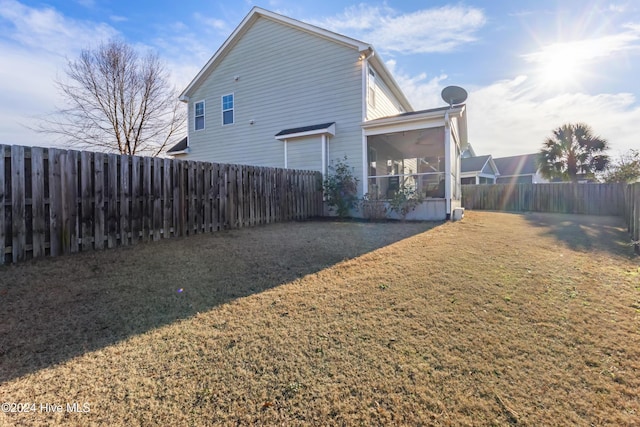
<point>524,164</point>
<point>473,164</point>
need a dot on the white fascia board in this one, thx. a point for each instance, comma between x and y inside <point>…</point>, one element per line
<point>484,164</point>
<point>405,123</point>
<point>402,127</point>
<point>331,130</point>
<point>496,172</point>
<point>390,81</point>
<point>312,29</point>
<point>231,40</point>
<point>185,151</point>
<point>461,113</point>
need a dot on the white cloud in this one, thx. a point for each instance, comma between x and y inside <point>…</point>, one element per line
<point>216,24</point>
<point>617,8</point>
<point>87,3</point>
<point>423,92</point>
<point>47,29</point>
<point>34,45</point>
<point>441,29</point>
<point>588,50</point>
<point>514,116</point>
<point>511,117</point>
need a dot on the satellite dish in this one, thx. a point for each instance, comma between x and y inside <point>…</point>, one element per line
<point>454,95</point>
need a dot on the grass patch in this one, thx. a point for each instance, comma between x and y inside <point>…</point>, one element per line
<point>494,320</point>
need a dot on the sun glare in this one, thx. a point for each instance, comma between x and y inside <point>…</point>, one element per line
<point>561,67</point>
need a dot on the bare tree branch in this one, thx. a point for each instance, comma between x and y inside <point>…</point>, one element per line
<point>117,101</point>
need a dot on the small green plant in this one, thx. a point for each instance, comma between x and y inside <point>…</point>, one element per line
<point>404,201</point>
<point>341,188</point>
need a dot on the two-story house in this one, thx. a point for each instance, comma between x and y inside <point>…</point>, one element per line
<point>283,93</point>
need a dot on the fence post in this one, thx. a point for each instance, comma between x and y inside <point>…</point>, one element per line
<point>37,202</point>
<point>635,236</point>
<point>2,205</point>
<point>125,200</point>
<point>98,191</point>
<point>18,211</point>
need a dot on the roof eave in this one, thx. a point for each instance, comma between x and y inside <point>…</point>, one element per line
<point>388,78</point>
<point>429,115</point>
<point>329,130</point>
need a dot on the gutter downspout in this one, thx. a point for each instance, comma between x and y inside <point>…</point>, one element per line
<point>365,162</point>
<point>324,156</point>
<point>447,164</point>
<point>286,160</point>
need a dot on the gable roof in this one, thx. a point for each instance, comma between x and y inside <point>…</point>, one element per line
<point>474,164</point>
<point>308,130</point>
<point>181,147</point>
<point>524,164</point>
<point>256,13</point>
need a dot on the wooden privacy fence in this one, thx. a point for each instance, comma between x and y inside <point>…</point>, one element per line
<point>632,212</point>
<point>63,201</point>
<point>589,199</point>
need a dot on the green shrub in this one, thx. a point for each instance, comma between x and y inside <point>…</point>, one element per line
<point>404,201</point>
<point>341,188</point>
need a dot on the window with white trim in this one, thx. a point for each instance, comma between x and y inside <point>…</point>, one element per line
<point>371,86</point>
<point>227,109</point>
<point>199,116</point>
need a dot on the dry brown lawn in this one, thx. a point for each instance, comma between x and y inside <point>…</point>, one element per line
<point>498,319</point>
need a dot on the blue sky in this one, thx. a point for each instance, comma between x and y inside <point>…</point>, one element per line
<point>528,66</point>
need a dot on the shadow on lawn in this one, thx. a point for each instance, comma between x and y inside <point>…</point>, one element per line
<point>586,232</point>
<point>55,309</point>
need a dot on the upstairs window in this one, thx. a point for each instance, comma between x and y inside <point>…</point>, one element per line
<point>227,109</point>
<point>199,116</point>
<point>372,88</point>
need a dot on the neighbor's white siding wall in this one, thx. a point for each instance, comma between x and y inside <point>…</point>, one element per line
<point>287,78</point>
<point>386,103</point>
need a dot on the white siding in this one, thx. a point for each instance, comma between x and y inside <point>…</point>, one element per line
<point>287,78</point>
<point>386,103</point>
<point>305,153</point>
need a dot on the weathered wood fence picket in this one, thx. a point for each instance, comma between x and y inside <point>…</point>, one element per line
<point>632,212</point>
<point>591,199</point>
<point>588,199</point>
<point>56,202</point>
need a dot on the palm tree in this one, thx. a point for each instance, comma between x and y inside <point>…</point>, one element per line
<point>573,151</point>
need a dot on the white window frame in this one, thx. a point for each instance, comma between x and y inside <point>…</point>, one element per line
<point>232,109</point>
<point>195,116</point>
<point>371,87</point>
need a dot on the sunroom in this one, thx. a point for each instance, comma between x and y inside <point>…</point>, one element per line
<point>416,154</point>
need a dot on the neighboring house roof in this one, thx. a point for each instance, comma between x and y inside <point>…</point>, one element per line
<point>524,164</point>
<point>307,130</point>
<point>366,50</point>
<point>468,152</point>
<point>181,147</point>
<point>474,164</point>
